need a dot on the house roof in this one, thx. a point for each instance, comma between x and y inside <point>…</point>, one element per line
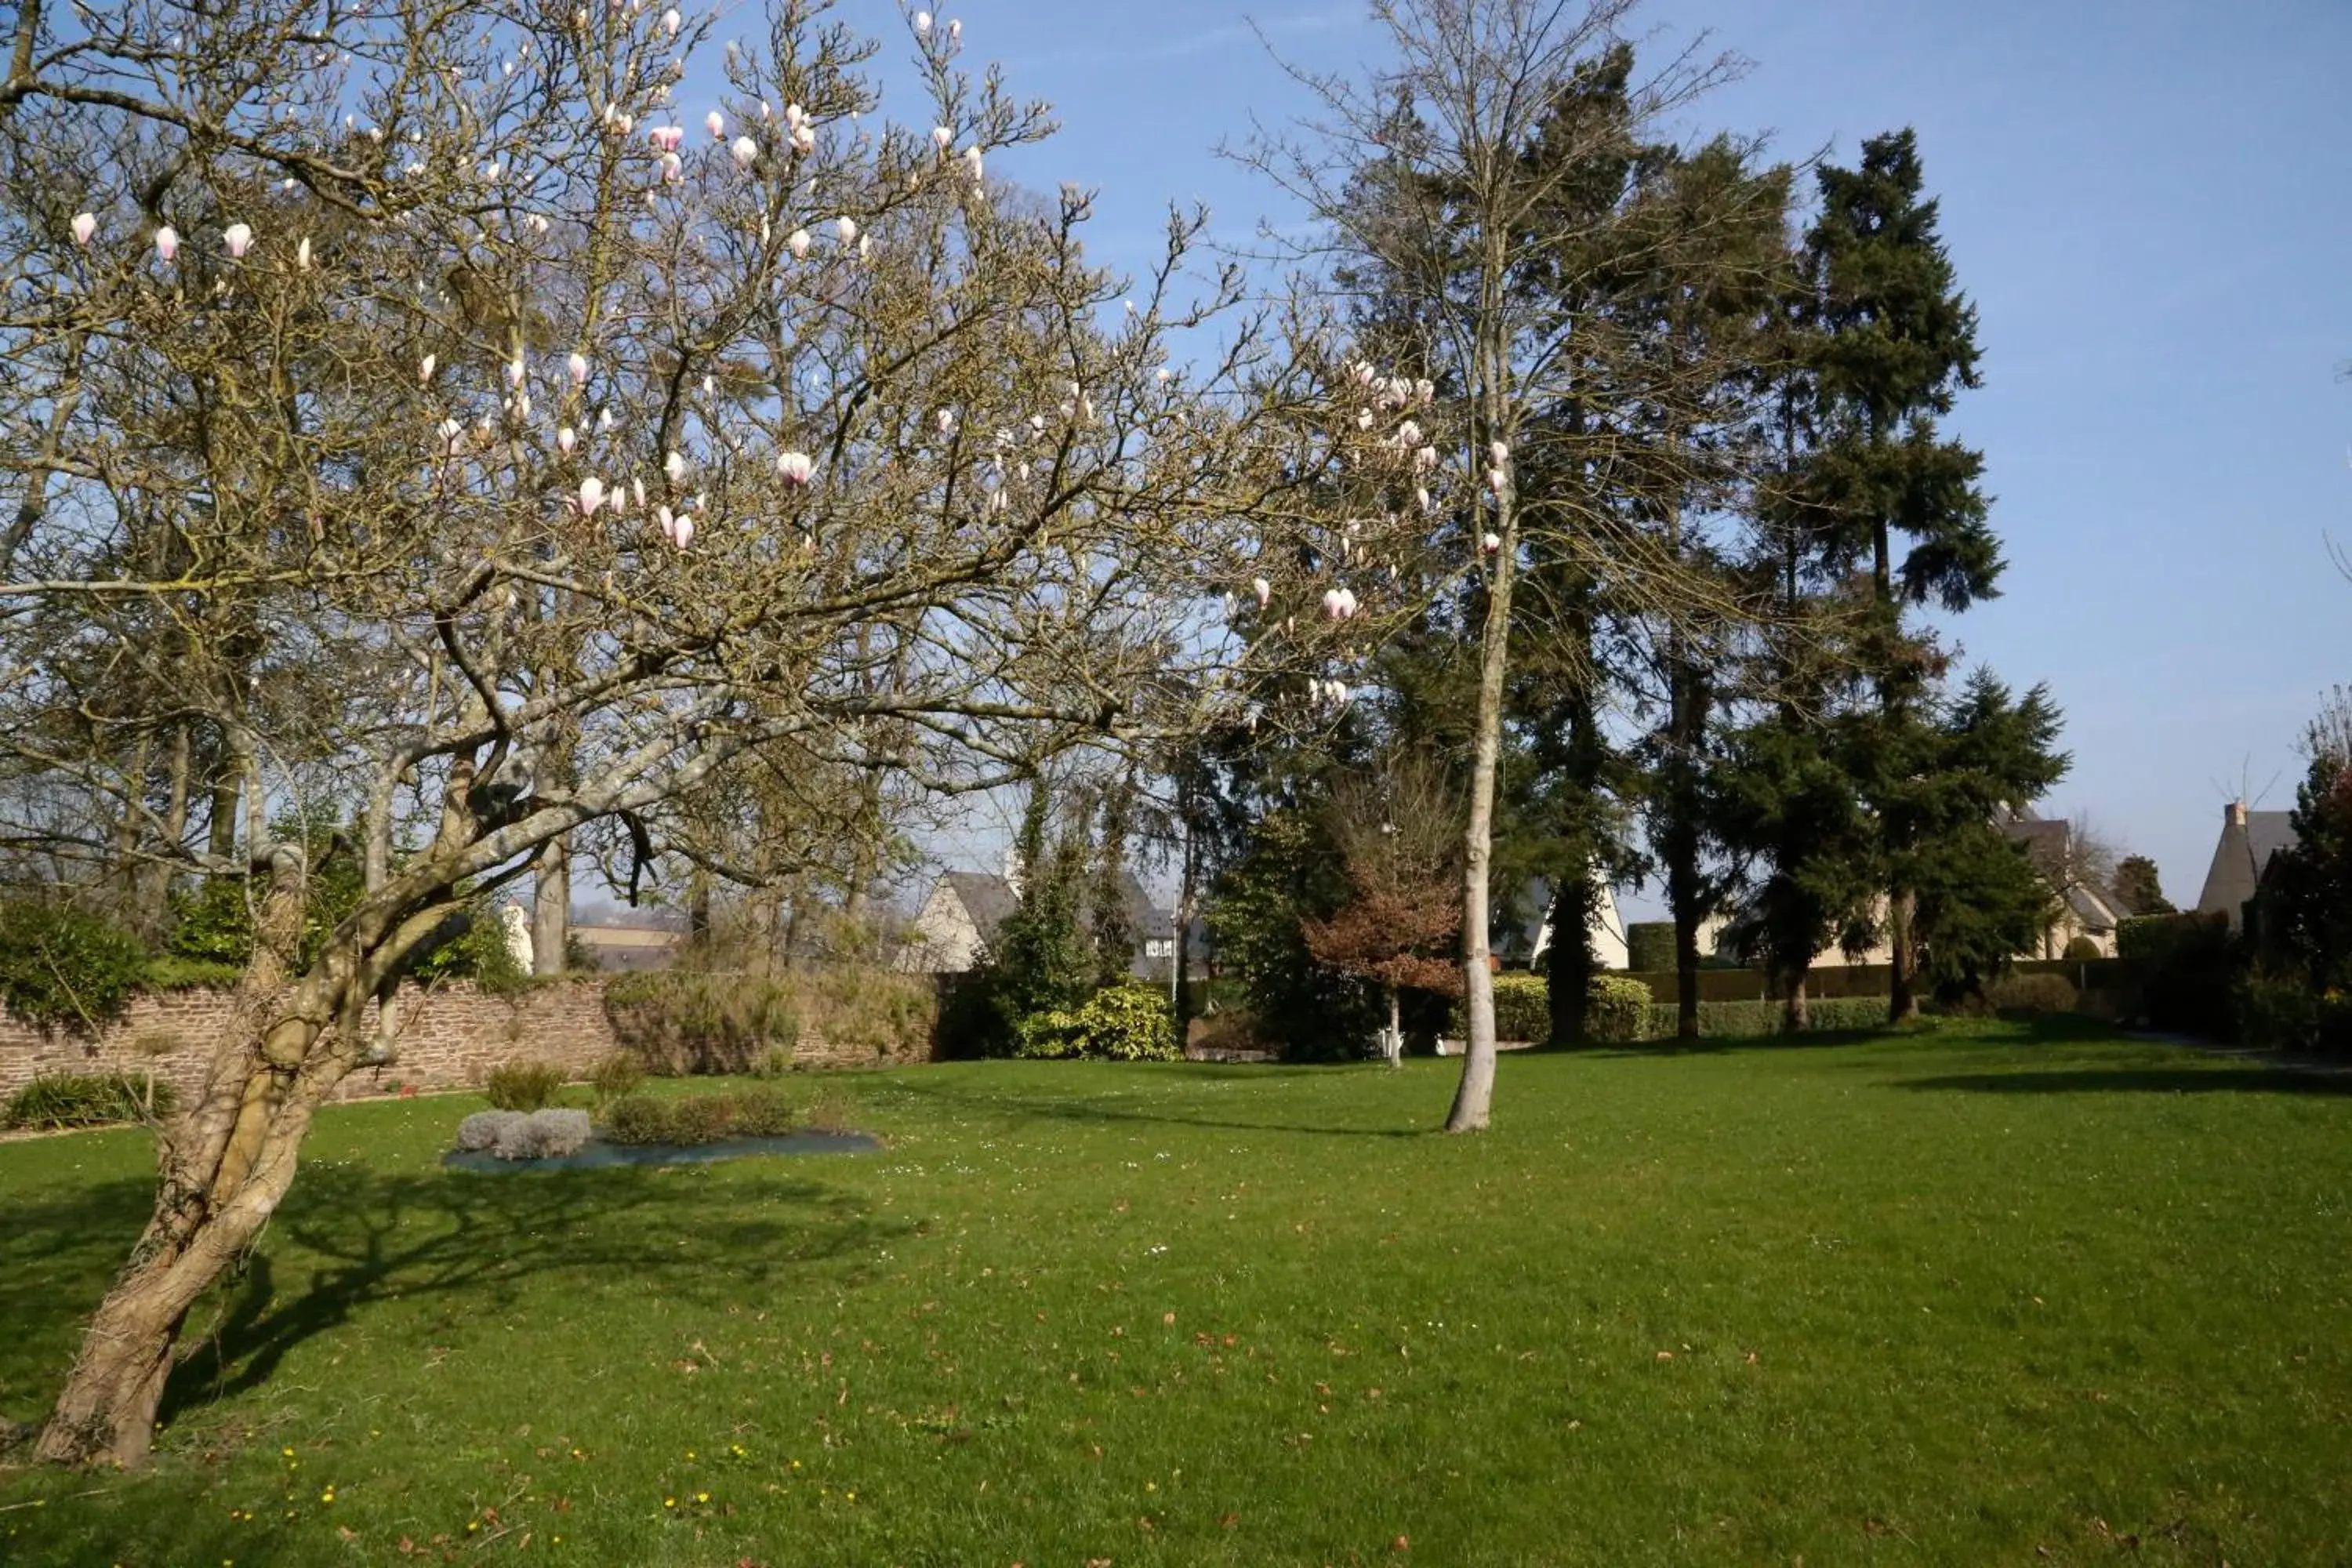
<point>988,899</point>
<point>2050,846</point>
<point>2267,833</point>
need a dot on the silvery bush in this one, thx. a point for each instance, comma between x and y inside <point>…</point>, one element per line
<point>484,1129</point>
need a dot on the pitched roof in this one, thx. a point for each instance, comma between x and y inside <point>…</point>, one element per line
<point>986,897</point>
<point>2050,845</point>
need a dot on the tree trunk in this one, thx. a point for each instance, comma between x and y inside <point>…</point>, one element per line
<point>1797,1016</point>
<point>1475,1098</point>
<point>1568,963</point>
<point>1903,1002</point>
<point>155,883</point>
<point>1393,1048</point>
<point>225,1164</point>
<point>550,905</point>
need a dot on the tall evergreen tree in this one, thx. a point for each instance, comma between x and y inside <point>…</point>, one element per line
<point>1893,343</point>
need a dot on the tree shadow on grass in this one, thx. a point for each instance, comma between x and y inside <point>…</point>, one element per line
<point>1106,1111</point>
<point>350,1236</point>
<point>346,1236</point>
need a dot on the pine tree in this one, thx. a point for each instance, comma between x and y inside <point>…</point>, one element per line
<point>1894,343</point>
<point>2139,888</point>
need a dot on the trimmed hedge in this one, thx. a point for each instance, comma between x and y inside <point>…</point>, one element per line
<point>754,1111</point>
<point>1749,1020</point>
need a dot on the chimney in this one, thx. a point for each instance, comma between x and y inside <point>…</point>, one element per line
<point>2235,814</point>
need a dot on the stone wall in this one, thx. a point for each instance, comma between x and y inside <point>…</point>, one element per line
<point>451,1035</point>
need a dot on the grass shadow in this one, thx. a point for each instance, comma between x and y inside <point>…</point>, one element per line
<point>1109,1112</point>
<point>2214,1079</point>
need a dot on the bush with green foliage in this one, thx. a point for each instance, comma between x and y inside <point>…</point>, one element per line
<point>87,1100</point>
<point>617,1074</point>
<point>1118,1023</point>
<point>171,972</point>
<point>761,1112</point>
<point>701,1118</point>
<point>637,1118</point>
<point>522,1085</point>
<point>1754,1020</point>
<point>63,967</point>
<point>1617,1008</point>
<point>2083,950</point>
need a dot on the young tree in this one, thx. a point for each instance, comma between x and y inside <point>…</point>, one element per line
<point>1453,185</point>
<point>1396,833</point>
<point>417,407</point>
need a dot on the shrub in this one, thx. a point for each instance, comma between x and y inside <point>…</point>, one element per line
<point>1047,1036</point>
<point>761,1112</point>
<point>616,1076</point>
<point>1523,1007</point>
<point>2032,993</point>
<point>701,1118</point>
<point>637,1118</point>
<point>1616,1008</point>
<point>1753,1020</point>
<point>2277,1013</point>
<point>484,1129</point>
<point>61,966</point>
<point>87,1100</point>
<point>541,1134</point>
<point>522,1085</point>
<point>2083,950</point>
<point>773,1062</point>
<point>1118,1024</point>
<point>1129,1023</point>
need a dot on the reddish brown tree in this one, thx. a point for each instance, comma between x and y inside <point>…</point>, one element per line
<point>1395,828</point>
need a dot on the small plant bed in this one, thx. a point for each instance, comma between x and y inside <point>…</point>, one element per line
<point>641,1129</point>
<point>600,1151</point>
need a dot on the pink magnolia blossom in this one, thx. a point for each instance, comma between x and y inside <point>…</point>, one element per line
<point>592,495</point>
<point>955,30</point>
<point>302,255</point>
<point>716,124</point>
<point>797,242</point>
<point>684,533</point>
<point>238,238</point>
<point>1498,452</point>
<point>847,228</point>
<point>922,24</point>
<point>1263,589</point>
<point>674,465</point>
<point>745,152</point>
<point>84,225</point>
<point>673,168</point>
<point>796,467</point>
<point>672,21</point>
<point>578,364</point>
<point>565,439</point>
<point>666,138</point>
<point>424,369</point>
<point>1332,603</point>
<point>1490,542</point>
<point>167,243</point>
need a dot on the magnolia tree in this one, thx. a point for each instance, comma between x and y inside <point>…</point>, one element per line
<point>425,404</point>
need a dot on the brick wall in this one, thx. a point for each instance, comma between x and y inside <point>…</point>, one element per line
<point>452,1035</point>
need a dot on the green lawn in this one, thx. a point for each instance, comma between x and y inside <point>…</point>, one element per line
<point>1968,1298</point>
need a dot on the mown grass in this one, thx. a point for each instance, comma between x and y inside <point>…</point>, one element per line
<point>1969,1297</point>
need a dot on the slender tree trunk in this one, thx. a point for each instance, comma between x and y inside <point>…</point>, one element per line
<point>1474,1099</point>
<point>550,905</point>
<point>1394,1048</point>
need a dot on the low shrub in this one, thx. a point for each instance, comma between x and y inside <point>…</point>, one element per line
<point>522,1085</point>
<point>1118,1024</point>
<point>637,1118</point>
<point>173,972</point>
<point>485,1128</point>
<point>542,1135</point>
<point>2278,1013</point>
<point>688,1022</point>
<point>701,1118</point>
<point>616,1076</point>
<point>87,1100</point>
<point>1616,1008</point>
<point>1522,1008</point>
<point>64,967</point>
<point>2083,950</point>
<point>761,1112</point>
<point>773,1062</point>
<point>2032,993</point>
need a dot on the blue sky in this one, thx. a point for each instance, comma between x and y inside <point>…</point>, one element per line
<point>2150,202</point>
